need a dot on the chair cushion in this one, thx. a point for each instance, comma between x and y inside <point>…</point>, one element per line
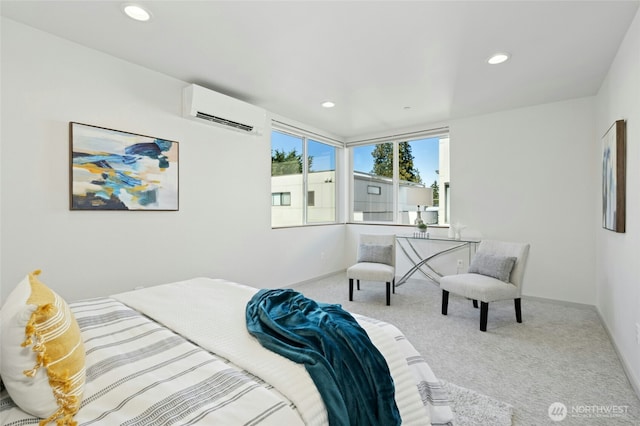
<point>375,253</point>
<point>371,272</point>
<point>479,287</point>
<point>43,357</point>
<point>498,267</point>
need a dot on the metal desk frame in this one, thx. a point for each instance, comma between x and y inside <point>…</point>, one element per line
<point>422,264</point>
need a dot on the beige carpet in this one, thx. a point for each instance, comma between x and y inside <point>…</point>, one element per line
<point>560,353</point>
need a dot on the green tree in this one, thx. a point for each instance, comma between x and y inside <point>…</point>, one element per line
<point>383,162</point>
<point>287,163</point>
<point>436,193</point>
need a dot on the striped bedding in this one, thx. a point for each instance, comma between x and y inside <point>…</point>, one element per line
<point>141,372</point>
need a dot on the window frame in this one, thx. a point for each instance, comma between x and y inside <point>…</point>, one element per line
<point>306,136</point>
<point>374,190</point>
<point>441,133</point>
<point>281,196</point>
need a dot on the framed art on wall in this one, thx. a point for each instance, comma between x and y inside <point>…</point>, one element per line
<point>614,177</point>
<point>116,170</point>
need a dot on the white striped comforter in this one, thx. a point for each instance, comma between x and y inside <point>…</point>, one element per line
<point>140,372</point>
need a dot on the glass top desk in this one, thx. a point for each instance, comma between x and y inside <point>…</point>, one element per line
<point>441,247</point>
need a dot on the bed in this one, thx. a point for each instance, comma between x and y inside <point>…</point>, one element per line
<point>180,354</point>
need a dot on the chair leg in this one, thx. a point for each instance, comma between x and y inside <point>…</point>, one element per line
<point>350,289</point>
<point>445,301</point>
<point>475,303</point>
<point>484,311</point>
<point>393,283</point>
<point>388,293</point>
<point>517,303</point>
<point>358,281</point>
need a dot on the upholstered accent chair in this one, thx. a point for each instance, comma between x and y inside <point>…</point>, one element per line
<point>495,273</point>
<point>376,261</point>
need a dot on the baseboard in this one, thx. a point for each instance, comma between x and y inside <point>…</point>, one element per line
<point>633,380</point>
<point>561,302</point>
<point>310,280</point>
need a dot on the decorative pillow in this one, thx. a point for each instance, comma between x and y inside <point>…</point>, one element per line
<point>375,253</point>
<point>42,351</point>
<point>498,267</point>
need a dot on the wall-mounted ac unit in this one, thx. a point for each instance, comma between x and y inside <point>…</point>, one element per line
<point>207,106</point>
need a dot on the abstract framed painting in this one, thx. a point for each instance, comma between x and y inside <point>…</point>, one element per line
<point>116,170</point>
<point>614,177</point>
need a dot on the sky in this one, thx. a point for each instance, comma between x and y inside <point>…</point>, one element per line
<point>425,158</point>
<point>324,157</point>
<point>425,153</point>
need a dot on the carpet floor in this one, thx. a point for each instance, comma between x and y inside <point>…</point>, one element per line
<point>561,353</point>
<point>471,408</point>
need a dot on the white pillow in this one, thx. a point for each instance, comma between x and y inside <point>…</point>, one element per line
<point>375,253</point>
<point>41,351</point>
<point>498,267</point>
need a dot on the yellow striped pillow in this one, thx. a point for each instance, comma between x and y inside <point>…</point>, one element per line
<point>42,362</point>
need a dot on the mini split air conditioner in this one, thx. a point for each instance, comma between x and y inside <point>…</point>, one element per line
<point>207,106</point>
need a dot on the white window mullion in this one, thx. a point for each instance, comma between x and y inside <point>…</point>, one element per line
<point>396,180</point>
<point>349,200</point>
<point>305,180</point>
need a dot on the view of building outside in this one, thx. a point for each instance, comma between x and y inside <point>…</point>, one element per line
<point>321,183</point>
<point>444,190</point>
<point>422,176</point>
<point>373,186</point>
<point>294,203</point>
<point>303,181</point>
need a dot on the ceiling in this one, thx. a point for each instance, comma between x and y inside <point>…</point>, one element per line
<point>386,64</point>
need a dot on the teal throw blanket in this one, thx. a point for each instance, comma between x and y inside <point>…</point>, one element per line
<point>350,373</point>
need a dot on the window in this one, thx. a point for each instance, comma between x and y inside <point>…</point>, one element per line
<point>398,181</point>
<point>281,199</point>
<point>373,168</point>
<point>374,190</point>
<point>305,169</point>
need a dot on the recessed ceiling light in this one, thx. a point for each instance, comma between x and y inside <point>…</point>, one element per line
<point>498,58</point>
<point>136,12</point>
<point>328,104</point>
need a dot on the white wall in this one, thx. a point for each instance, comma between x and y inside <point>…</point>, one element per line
<point>526,175</point>
<point>618,269</point>
<point>48,82</point>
